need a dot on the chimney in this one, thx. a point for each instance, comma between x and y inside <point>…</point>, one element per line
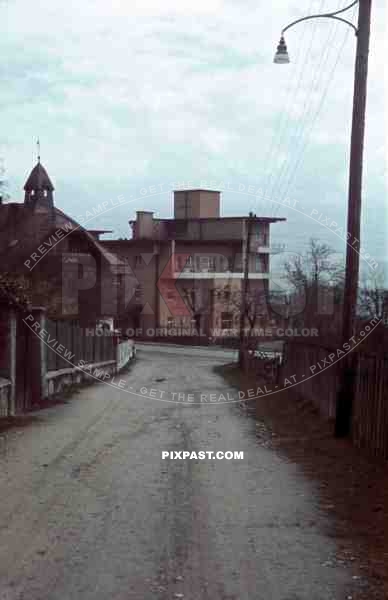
<point>196,204</point>
<point>144,225</point>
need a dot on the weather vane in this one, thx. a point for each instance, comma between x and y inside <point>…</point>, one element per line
<point>38,146</point>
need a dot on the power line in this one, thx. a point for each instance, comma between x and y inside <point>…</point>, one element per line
<point>292,102</point>
<point>317,113</point>
<point>282,117</point>
<point>302,126</point>
<point>316,84</point>
<point>297,133</point>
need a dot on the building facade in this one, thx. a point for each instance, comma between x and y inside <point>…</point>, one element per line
<point>190,269</point>
<point>63,266</point>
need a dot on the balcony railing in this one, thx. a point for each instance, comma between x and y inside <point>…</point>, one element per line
<point>215,274</point>
<point>221,268</point>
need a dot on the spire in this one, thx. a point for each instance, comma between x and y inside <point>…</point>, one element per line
<point>38,187</point>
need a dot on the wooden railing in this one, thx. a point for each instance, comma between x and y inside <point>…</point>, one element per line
<point>310,369</point>
<point>370,417</point>
<point>305,362</point>
<point>79,343</point>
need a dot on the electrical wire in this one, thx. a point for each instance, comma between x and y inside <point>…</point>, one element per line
<point>281,120</point>
<point>309,110</point>
<point>298,130</point>
<point>288,109</point>
<point>314,120</point>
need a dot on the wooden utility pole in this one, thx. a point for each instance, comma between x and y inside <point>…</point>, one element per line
<point>245,287</point>
<point>345,395</point>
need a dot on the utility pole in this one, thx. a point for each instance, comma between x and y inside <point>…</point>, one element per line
<point>344,406</point>
<point>245,286</point>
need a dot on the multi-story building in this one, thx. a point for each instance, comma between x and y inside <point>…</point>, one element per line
<point>190,269</point>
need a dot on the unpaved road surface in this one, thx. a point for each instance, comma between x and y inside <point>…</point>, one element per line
<point>90,511</point>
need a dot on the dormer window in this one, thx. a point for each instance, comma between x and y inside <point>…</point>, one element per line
<point>45,193</point>
<point>32,193</point>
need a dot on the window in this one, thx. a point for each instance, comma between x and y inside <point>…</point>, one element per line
<point>260,264</point>
<point>212,263</point>
<point>227,293</point>
<point>261,234</point>
<point>138,293</point>
<point>189,265</point>
<point>138,260</point>
<point>170,322</point>
<point>76,245</point>
<point>189,295</point>
<point>206,263</point>
<point>183,263</point>
<point>226,320</point>
<point>226,263</point>
<point>117,280</point>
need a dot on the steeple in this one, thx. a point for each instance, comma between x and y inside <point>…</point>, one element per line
<point>39,189</point>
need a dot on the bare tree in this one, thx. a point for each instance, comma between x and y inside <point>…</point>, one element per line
<point>3,183</point>
<point>317,267</point>
<point>317,284</point>
<point>255,307</point>
<point>373,297</point>
<point>197,300</point>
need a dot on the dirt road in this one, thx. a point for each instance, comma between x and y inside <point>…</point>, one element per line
<point>90,510</point>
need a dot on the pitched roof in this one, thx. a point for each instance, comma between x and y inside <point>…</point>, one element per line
<point>111,258</point>
<point>22,231</point>
<point>38,179</point>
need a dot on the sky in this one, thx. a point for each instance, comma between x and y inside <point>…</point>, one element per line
<point>125,95</point>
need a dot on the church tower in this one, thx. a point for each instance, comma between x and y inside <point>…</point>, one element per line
<point>39,189</point>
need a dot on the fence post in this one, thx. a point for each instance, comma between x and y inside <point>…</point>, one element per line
<point>37,359</point>
<point>8,357</point>
<point>12,325</point>
<point>57,357</point>
<point>116,351</point>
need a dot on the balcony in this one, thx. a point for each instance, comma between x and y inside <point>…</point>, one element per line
<point>191,273</point>
<point>203,267</point>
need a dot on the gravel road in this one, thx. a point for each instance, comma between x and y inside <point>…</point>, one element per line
<point>90,511</point>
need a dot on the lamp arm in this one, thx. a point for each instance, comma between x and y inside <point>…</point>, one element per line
<point>331,15</point>
<point>337,12</point>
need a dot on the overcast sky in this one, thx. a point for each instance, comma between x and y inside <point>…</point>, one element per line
<point>127,94</point>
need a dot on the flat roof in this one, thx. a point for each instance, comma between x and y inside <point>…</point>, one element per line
<point>199,190</point>
<point>236,218</point>
<point>134,240</point>
<point>262,219</point>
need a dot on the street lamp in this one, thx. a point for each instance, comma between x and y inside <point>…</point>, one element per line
<point>345,394</point>
<point>281,56</point>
